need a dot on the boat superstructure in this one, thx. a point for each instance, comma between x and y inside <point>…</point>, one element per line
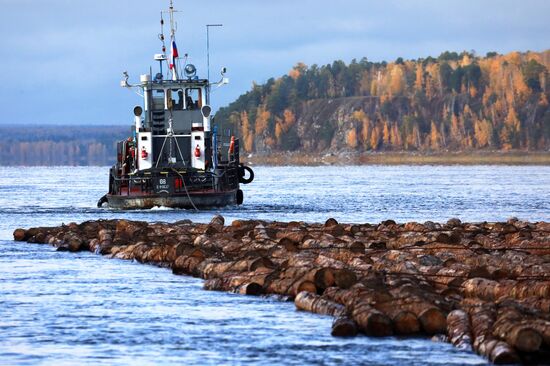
<point>175,156</point>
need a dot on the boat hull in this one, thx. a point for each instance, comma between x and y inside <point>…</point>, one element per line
<point>194,200</point>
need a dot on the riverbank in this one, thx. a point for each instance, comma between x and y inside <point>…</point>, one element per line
<point>401,158</point>
<point>484,285</point>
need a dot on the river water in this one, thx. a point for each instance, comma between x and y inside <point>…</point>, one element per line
<point>63,308</point>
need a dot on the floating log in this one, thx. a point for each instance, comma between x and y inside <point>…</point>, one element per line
<point>509,326</point>
<point>369,320</point>
<point>316,304</point>
<point>482,317</point>
<point>459,329</point>
<point>484,284</point>
<point>343,326</point>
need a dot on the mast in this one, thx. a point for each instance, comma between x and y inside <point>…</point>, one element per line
<point>174,54</point>
<point>161,37</point>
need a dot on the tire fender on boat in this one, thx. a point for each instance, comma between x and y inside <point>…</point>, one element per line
<point>101,201</point>
<point>242,172</point>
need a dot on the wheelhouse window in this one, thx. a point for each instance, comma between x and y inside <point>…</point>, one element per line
<point>158,99</point>
<point>193,98</point>
<point>178,99</point>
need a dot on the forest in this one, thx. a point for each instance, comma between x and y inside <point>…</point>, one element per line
<point>59,145</point>
<point>455,102</point>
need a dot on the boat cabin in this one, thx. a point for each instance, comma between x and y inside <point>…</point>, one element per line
<point>174,126</point>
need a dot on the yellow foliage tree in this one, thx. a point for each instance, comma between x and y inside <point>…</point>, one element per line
<point>359,115</point>
<point>419,81</point>
<point>513,58</point>
<point>456,128</point>
<point>506,136</point>
<point>365,131</point>
<point>351,138</point>
<point>245,125</point>
<point>397,80</point>
<point>482,132</point>
<point>395,136</point>
<point>375,138</point>
<point>374,88</point>
<point>288,119</point>
<point>364,84</point>
<point>297,70</point>
<point>386,135</point>
<point>435,137</point>
<point>518,85</point>
<point>247,133</point>
<point>412,140</point>
<point>262,119</point>
<point>249,142</point>
<point>512,120</point>
<point>278,132</point>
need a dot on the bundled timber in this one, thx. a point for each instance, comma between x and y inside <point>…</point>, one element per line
<point>484,286</point>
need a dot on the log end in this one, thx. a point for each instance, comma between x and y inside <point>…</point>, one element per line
<point>433,321</point>
<point>528,340</point>
<point>406,323</point>
<point>19,235</point>
<point>251,288</point>
<point>379,325</point>
<point>307,286</point>
<point>218,220</point>
<point>344,327</point>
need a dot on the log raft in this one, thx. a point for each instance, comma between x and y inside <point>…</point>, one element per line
<point>483,286</point>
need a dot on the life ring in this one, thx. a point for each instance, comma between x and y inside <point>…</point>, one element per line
<point>242,170</point>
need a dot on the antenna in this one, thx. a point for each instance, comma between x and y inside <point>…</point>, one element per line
<point>174,50</point>
<point>173,27</point>
<point>161,37</point>
<point>208,57</point>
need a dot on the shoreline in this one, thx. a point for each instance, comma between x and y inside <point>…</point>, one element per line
<point>400,158</point>
<point>480,286</point>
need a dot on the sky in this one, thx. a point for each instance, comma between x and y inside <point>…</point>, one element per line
<point>62,60</point>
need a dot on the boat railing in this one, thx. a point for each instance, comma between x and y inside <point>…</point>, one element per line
<point>178,183</point>
<point>126,184</point>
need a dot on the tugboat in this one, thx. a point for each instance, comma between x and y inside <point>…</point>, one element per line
<point>173,157</point>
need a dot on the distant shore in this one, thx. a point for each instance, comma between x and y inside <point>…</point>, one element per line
<point>400,158</point>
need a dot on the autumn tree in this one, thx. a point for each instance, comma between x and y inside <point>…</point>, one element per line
<point>386,135</point>
<point>435,137</point>
<point>351,138</point>
<point>262,120</point>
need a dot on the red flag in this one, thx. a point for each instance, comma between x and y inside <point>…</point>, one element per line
<point>174,54</point>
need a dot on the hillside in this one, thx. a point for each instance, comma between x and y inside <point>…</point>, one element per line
<point>457,102</point>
